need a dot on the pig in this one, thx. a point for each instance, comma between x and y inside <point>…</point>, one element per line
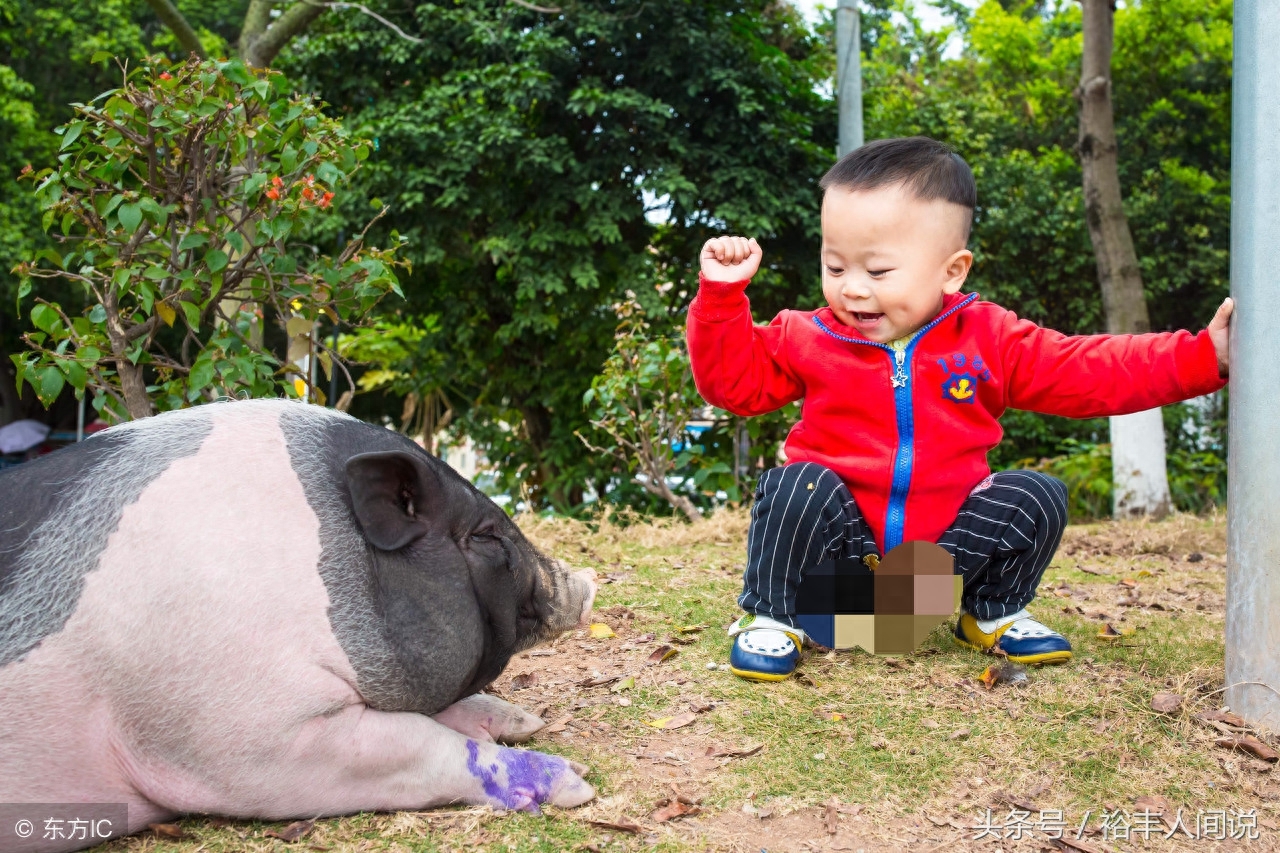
<point>266,609</point>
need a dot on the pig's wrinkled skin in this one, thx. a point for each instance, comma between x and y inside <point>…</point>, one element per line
<point>266,610</point>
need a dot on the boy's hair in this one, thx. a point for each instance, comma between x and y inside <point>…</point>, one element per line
<point>925,167</point>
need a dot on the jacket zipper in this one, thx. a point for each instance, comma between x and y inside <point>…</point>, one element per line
<point>904,456</point>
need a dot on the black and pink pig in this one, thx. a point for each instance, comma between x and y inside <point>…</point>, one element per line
<point>269,610</point>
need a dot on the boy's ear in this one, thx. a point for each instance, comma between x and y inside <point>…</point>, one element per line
<point>957,270</point>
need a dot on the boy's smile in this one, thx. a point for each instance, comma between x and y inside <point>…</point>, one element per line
<point>889,258</point>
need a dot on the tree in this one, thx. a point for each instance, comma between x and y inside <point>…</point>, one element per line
<point>1141,484</point>
<point>541,165</point>
<point>180,200</point>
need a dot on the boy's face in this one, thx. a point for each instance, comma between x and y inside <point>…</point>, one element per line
<point>889,258</point>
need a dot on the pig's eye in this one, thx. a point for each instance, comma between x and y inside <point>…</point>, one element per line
<point>484,536</point>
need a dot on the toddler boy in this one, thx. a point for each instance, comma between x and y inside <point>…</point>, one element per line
<point>904,379</point>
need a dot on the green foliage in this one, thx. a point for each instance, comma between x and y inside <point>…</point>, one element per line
<point>642,401</point>
<point>520,153</point>
<point>180,200</point>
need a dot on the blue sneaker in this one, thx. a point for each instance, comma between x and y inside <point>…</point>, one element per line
<point>764,649</point>
<point>1021,638</point>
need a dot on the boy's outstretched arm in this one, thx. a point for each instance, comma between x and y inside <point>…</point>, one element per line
<point>737,365</point>
<point>1086,376</point>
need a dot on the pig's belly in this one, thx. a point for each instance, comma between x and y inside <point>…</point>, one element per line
<point>199,646</point>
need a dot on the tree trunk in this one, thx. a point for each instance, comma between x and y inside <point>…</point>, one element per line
<point>262,39</point>
<point>1140,481</point>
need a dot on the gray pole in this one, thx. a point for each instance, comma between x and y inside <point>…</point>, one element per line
<point>1253,482</point>
<point>849,75</point>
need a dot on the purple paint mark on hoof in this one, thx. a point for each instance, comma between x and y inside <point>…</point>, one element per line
<point>530,777</point>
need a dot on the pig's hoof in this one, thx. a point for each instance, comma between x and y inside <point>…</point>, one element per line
<point>524,781</point>
<point>489,718</point>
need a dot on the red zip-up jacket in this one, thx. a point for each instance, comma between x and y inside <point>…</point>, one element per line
<point>909,431</point>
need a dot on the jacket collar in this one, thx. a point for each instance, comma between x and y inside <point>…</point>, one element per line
<point>951,304</point>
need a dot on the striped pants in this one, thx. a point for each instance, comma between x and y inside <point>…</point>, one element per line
<point>1003,539</point>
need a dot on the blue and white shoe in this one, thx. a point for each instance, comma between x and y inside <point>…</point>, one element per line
<point>1021,638</point>
<point>764,649</point>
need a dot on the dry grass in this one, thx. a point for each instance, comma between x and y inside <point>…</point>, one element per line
<point>900,754</point>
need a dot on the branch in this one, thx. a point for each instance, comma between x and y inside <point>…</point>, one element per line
<point>338,6</point>
<point>548,10</point>
<point>173,19</point>
<point>261,44</point>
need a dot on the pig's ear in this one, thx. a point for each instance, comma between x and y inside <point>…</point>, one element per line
<point>392,494</point>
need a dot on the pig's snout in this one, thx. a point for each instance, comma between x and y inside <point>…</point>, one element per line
<point>587,579</point>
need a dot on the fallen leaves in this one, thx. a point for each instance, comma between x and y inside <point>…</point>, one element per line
<point>292,832</point>
<point>1005,672</point>
<point>627,683</point>
<point>1108,632</point>
<point>622,824</point>
<point>558,725</point>
<point>524,680</point>
<point>1166,703</point>
<point>1251,745</point>
<point>167,830</point>
<point>726,752</point>
<point>1156,805</point>
<point>675,722</point>
<point>1226,717</point>
<point>670,809</point>
<point>662,653</point>
<point>601,631</point>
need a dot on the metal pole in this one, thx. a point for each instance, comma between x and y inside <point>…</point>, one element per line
<point>1253,481</point>
<point>849,75</point>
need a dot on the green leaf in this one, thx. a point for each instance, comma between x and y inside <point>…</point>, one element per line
<point>100,56</point>
<point>44,318</point>
<point>98,314</point>
<point>71,134</point>
<point>201,375</point>
<point>130,217</point>
<point>51,384</point>
<point>215,260</point>
<point>75,373</point>
<point>192,241</point>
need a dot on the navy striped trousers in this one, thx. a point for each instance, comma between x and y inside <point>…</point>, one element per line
<point>1003,539</point>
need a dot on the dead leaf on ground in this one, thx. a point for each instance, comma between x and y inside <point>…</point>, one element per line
<point>599,681</point>
<point>960,734</point>
<point>624,684</point>
<point>832,716</point>
<point>672,809</point>
<point>1222,717</point>
<point>292,832</point>
<point>601,631</point>
<point>1089,571</point>
<point>542,653</point>
<point>524,680</point>
<point>1127,583</point>
<point>1108,632</point>
<point>675,722</point>
<point>1251,745</point>
<point>1157,805</point>
<point>622,824</point>
<point>167,830</point>
<point>662,653</point>
<point>833,817</point>
<point>557,725</point>
<point>1166,703</point>
<point>692,629</point>
<point>1005,672</point>
<point>726,752</point>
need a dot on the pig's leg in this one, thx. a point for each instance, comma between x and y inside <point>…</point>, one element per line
<point>489,718</point>
<point>358,759</point>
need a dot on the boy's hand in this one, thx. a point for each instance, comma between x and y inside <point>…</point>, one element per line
<point>730,258</point>
<point>1217,333</point>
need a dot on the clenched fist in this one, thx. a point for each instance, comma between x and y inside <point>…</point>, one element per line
<point>730,258</point>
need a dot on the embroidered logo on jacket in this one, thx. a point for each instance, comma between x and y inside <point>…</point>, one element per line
<point>961,385</point>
